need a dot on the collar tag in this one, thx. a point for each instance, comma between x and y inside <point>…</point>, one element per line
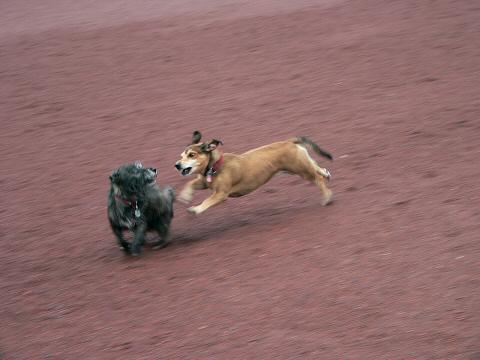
<point>210,174</point>
<point>137,211</point>
<point>214,169</point>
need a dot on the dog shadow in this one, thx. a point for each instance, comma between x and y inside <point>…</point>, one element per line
<point>231,224</point>
<point>208,232</point>
<point>218,228</point>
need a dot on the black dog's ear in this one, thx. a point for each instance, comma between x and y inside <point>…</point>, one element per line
<point>197,136</point>
<point>210,146</point>
<point>150,175</point>
<point>113,176</point>
<point>138,164</point>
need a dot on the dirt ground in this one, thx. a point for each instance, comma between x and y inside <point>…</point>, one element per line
<point>389,271</point>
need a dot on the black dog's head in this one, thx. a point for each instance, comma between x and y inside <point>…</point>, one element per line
<point>130,180</point>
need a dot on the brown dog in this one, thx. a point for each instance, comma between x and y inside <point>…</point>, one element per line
<point>230,175</point>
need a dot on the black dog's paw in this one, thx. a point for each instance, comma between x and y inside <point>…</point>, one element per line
<point>160,244</point>
<point>126,250</point>
<point>125,247</point>
<point>135,250</point>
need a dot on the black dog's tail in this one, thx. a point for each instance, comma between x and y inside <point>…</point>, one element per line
<point>306,141</point>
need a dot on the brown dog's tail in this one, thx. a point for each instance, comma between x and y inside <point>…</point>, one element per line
<point>306,141</point>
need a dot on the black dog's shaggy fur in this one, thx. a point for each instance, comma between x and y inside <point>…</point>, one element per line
<point>136,203</point>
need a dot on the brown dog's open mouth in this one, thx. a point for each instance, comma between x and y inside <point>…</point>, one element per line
<point>186,171</point>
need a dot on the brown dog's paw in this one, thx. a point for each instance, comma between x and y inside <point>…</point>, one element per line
<point>329,175</point>
<point>327,200</point>
<point>185,197</point>
<point>193,210</point>
<point>184,200</point>
<point>326,174</point>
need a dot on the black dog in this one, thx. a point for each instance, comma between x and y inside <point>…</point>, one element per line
<point>136,203</point>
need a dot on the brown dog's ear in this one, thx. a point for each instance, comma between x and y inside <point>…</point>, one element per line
<point>210,146</point>
<point>197,136</point>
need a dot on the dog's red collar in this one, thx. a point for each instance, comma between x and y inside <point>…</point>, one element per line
<point>218,164</point>
<point>132,203</point>
<point>212,171</point>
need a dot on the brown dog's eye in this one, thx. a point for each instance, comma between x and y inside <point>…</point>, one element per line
<point>191,155</point>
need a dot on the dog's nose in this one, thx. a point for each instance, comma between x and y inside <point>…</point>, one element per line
<point>178,166</point>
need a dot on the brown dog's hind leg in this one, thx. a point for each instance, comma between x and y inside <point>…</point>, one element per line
<point>320,181</point>
<point>308,169</point>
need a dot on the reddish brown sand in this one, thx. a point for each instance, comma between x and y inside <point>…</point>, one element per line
<point>389,271</point>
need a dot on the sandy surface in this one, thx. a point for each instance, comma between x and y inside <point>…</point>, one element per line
<point>389,271</point>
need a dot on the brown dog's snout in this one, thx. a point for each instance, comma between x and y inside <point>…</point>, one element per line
<point>178,166</point>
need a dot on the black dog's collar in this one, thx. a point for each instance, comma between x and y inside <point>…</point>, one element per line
<point>126,201</point>
<point>131,203</point>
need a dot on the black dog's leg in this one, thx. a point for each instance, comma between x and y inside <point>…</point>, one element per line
<point>139,239</point>
<point>164,233</point>
<point>124,245</point>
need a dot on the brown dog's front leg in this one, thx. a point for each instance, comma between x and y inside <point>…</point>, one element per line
<point>186,195</point>
<point>216,198</point>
